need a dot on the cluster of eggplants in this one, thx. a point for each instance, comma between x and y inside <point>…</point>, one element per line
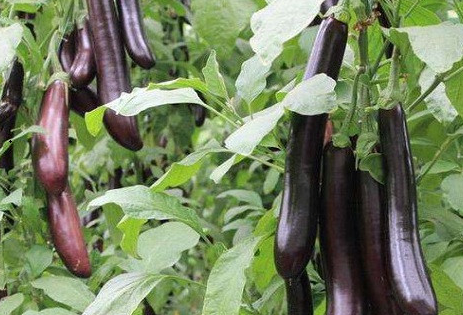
<point>356,215</point>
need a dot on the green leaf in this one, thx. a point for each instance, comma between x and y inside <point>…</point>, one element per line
<point>140,99</point>
<point>14,198</point>
<point>181,172</point>
<point>313,96</point>
<point>441,166</point>
<point>220,22</point>
<point>222,169</point>
<point>50,311</point>
<point>454,90</point>
<point>130,228</point>
<point>10,37</point>
<point>214,80</point>
<point>373,164</point>
<point>437,102</point>
<point>179,83</point>
<point>447,41</point>
<point>452,186</point>
<point>263,266</point>
<point>252,79</point>
<point>38,259</point>
<point>271,180</point>
<point>448,294</point>
<point>246,138</point>
<point>140,202</point>
<point>10,303</point>
<point>247,196</point>
<point>227,279</point>
<point>68,291</point>
<point>277,23</point>
<point>453,267</point>
<point>122,294</point>
<point>162,247</point>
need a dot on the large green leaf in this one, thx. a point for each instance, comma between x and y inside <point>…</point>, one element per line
<point>65,290</point>
<point>130,228</point>
<point>453,186</point>
<point>122,294</point>
<point>51,311</point>
<point>454,89</point>
<point>227,279</point>
<point>220,22</point>
<point>10,37</point>
<point>277,23</point>
<point>162,247</point>
<point>448,293</point>
<point>252,79</point>
<point>447,43</point>
<point>10,303</point>
<point>140,202</point>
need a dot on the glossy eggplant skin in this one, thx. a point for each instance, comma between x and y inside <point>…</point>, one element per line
<point>67,51</point>
<point>12,93</point>
<point>405,263</point>
<point>297,226</point>
<point>299,295</point>
<point>338,236</point>
<point>371,224</point>
<point>83,100</point>
<point>112,72</point>
<point>66,233</point>
<point>50,150</point>
<point>83,68</point>
<point>133,33</point>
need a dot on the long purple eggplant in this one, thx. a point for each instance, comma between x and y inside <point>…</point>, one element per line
<point>338,237</point>
<point>297,226</point>
<point>50,150</point>
<point>299,295</point>
<point>112,73</point>
<point>133,33</point>
<point>83,68</point>
<point>406,267</point>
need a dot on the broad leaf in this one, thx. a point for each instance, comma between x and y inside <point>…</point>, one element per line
<point>140,202</point>
<point>227,279</point>
<point>122,294</point>
<point>452,187</point>
<point>38,259</point>
<point>51,311</point>
<point>252,79</point>
<point>10,37</point>
<point>220,22</point>
<point>162,247</point>
<point>277,23</point>
<point>247,196</point>
<point>222,169</point>
<point>130,228</point>
<point>68,291</point>
<point>10,303</point>
<point>454,90</point>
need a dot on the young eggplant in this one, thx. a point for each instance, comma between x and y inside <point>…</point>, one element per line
<point>297,226</point>
<point>83,68</point>
<point>405,263</point>
<point>371,226</point>
<point>112,73</point>
<point>133,33</point>
<point>50,150</point>
<point>299,295</point>
<point>65,228</point>
<point>67,51</point>
<point>338,237</point>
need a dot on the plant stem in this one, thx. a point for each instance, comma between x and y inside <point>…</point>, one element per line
<point>212,109</point>
<point>350,114</point>
<point>437,156</point>
<point>415,4</point>
<point>262,161</point>
<point>377,63</point>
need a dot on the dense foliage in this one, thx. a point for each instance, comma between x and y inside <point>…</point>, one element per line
<point>186,225</point>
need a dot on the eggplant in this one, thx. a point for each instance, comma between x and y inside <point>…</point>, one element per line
<point>12,93</point>
<point>133,33</point>
<point>338,236</point>
<point>112,72</point>
<point>297,225</point>
<point>299,295</point>
<point>65,228</point>
<point>67,51</point>
<point>83,68</point>
<point>405,267</point>
<point>83,100</point>
<point>371,218</point>
<point>50,150</point>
